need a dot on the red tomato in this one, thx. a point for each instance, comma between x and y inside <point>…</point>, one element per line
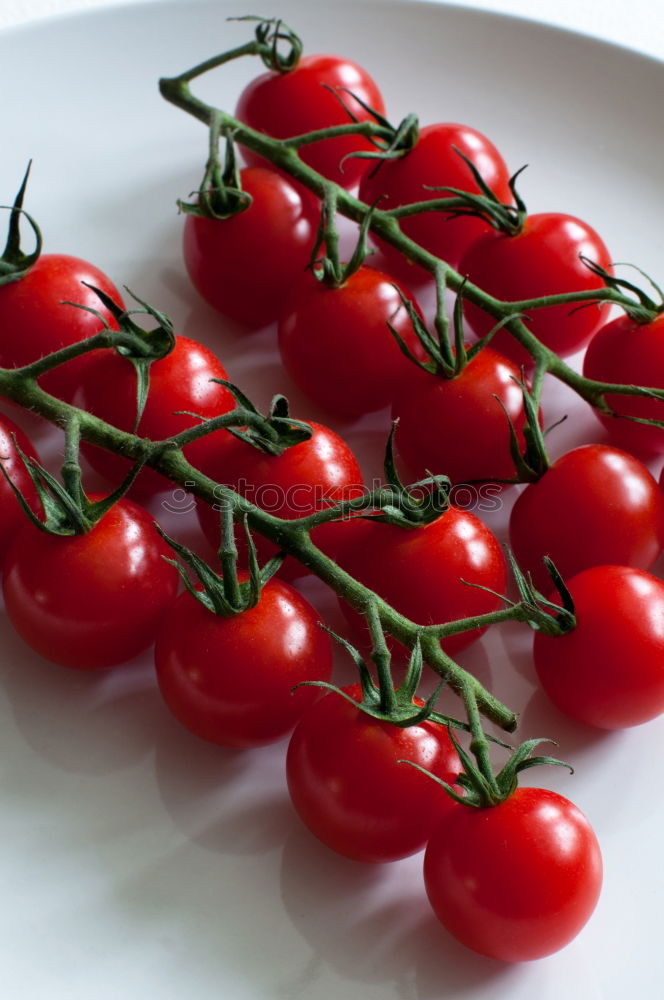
<point>543,259</point>
<point>433,163</point>
<point>608,672</point>
<point>35,318</point>
<point>337,347</point>
<point>304,478</point>
<point>12,516</point>
<point>288,104</point>
<point>244,266</point>
<point>595,505</point>
<point>231,680</point>
<point>457,427</point>
<point>181,381</point>
<point>427,572</point>
<point>346,782</point>
<point>94,600</point>
<point>630,353</point>
<point>516,881</point>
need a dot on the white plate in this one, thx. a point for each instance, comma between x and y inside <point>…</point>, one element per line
<point>134,858</point>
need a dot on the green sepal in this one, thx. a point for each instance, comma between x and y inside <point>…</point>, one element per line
<point>508,219</point>
<point>66,509</point>
<point>220,195</point>
<point>148,346</point>
<point>273,433</point>
<point>270,33</point>
<point>14,263</point>
<point>328,268</point>
<point>645,309</point>
<point>222,594</point>
<point>408,509</point>
<point>542,614</point>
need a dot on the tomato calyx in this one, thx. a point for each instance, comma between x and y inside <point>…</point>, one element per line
<point>542,614</point>
<point>328,268</point>
<point>14,262</point>
<point>416,504</point>
<point>224,594</point>
<point>505,218</point>
<point>220,195</point>
<point>66,509</point>
<point>271,33</point>
<point>396,142</point>
<point>272,433</point>
<point>643,308</point>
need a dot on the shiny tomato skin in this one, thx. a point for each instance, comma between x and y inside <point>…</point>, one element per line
<point>288,104</point>
<point>595,505</point>
<point>349,789</point>
<point>337,347</point>
<point>433,163</point>
<point>182,381</point>
<point>12,516</point>
<point>425,571</point>
<point>230,680</point>
<point>516,881</point>
<point>37,319</point>
<point>608,672</point>
<point>457,427</point>
<point>244,266</point>
<point>94,600</point>
<point>304,478</point>
<point>543,259</point>
<point>629,353</point>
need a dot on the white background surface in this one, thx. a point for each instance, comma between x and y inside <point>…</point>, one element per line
<point>638,24</point>
<point>136,861</point>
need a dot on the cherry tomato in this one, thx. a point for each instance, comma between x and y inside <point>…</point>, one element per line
<point>515,881</point>
<point>433,163</point>
<point>244,266</point>
<point>306,477</point>
<point>595,505</point>
<point>348,787</point>
<point>36,318</point>
<point>306,99</point>
<point>457,427</point>
<point>94,600</point>
<point>431,573</point>
<point>608,672</point>
<point>629,353</point>
<point>231,680</point>
<point>543,259</point>
<point>12,516</point>
<point>182,381</point>
<point>337,347</point>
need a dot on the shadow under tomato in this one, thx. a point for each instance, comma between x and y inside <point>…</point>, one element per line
<point>373,923</point>
<point>83,722</point>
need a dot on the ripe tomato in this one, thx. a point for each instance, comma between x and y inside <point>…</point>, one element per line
<point>515,881</point>
<point>231,680</point>
<point>94,600</point>
<point>244,266</point>
<point>35,318</point>
<point>433,163</point>
<point>630,353</point>
<point>457,427</point>
<point>431,573</point>
<point>348,787</point>
<point>595,505</point>
<point>306,477</point>
<point>179,382</point>
<point>304,100</point>
<point>608,672</point>
<point>337,347</point>
<point>543,259</point>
